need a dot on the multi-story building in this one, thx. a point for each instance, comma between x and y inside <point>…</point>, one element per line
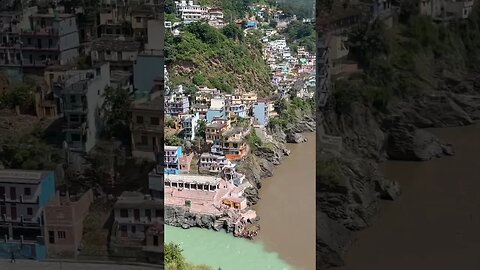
<point>249,98</point>
<point>214,131</point>
<point>176,105</point>
<point>147,128</point>
<point>81,98</point>
<point>233,145</point>
<point>189,12</point>
<point>140,17</point>
<point>24,195</point>
<point>172,156</point>
<point>119,51</point>
<point>216,113</point>
<point>64,215</point>
<point>215,17</point>
<point>212,163</point>
<point>261,112</point>
<point>40,39</point>
<point>134,215</point>
<point>189,125</point>
<point>238,110</point>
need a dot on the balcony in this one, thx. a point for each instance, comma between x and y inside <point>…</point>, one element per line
<point>146,127</point>
<point>39,31</point>
<point>40,48</point>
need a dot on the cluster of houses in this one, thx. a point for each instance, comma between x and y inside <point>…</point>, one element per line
<point>120,45</point>
<point>188,12</point>
<point>288,68</point>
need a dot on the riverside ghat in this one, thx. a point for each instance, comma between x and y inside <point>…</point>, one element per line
<point>217,198</point>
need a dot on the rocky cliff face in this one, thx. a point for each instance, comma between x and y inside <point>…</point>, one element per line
<point>350,201</point>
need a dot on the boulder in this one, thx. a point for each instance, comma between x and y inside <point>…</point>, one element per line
<point>295,138</point>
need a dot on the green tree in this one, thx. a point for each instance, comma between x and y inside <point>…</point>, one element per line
<point>22,95</point>
<point>201,127</point>
<point>367,41</point>
<point>232,31</point>
<point>173,140</point>
<point>173,256</point>
<point>115,113</point>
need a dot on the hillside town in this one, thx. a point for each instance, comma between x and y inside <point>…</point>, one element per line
<point>205,180</point>
<point>69,59</point>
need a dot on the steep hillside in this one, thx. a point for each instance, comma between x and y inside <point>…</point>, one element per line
<point>417,75</point>
<point>220,58</point>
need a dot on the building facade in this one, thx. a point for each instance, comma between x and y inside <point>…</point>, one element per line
<point>24,196</point>
<point>189,125</point>
<point>172,156</point>
<point>64,216</point>
<point>81,98</point>
<point>261,112</point>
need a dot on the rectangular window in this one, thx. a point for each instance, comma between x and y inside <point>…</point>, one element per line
<point>61,235</point>
<point>139,19</point>
<point>51,237</point>
<point>154,121</point>
<point>2,191</point>
<point>13,193</point>
<point>73,99</point>
<point>158,213</point>
<point>144,140</point>
<point>29,211</point>
<point>75,137</point>
<point>27,191</point>
<point>155,240</point>
<point>148,214</point>
<point>123,230</point>
<point>134,229</point>
<point>3,210</point>
<point>139,119</point>
<point>136,214</point>
<point>123,213</point>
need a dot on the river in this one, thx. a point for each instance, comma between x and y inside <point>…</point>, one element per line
<point>435,224</point>
<point>287,211</point>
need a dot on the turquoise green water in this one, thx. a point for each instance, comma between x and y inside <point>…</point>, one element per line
<point>223,250</point>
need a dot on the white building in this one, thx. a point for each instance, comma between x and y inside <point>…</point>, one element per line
<point>189,12</point>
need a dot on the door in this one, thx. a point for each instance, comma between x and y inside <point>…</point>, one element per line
<point>51,237</point>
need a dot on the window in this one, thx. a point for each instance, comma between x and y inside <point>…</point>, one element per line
<point>134,229</point>
<point>51,237</point>
<point>27,191</point>
<point>73,99</point>
<point>108,52</point>
<point>3,210</point>
<point>50,42</point>
<point>154,121</point>
<point>29,211</point>
<point>155,240</point>
<point>139,19</point>
<point>144,140</point>
<point>61,235</point>
<point>29,41</point>
<point>139,119</point>
<point>13,193</point>
<point>2,191</point>
<point>74,118</point>
<point>158,213</point>
<point>124,213</point>
<point>75,137</point>
<point>136,214</point>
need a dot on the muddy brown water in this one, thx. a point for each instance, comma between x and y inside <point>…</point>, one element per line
<point>435,224</point>
<point>287,207</point>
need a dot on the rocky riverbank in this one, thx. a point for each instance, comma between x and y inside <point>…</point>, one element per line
<point>350,184</point>
<point>260,163</point>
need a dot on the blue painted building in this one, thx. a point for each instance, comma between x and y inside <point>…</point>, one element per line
<point>239,110</point>
<point>146,69</point>
<point>172,156</point>
<point>213,113</point>
<point>25,195</point>
<point>249,24</point>
<point>260,112</point>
